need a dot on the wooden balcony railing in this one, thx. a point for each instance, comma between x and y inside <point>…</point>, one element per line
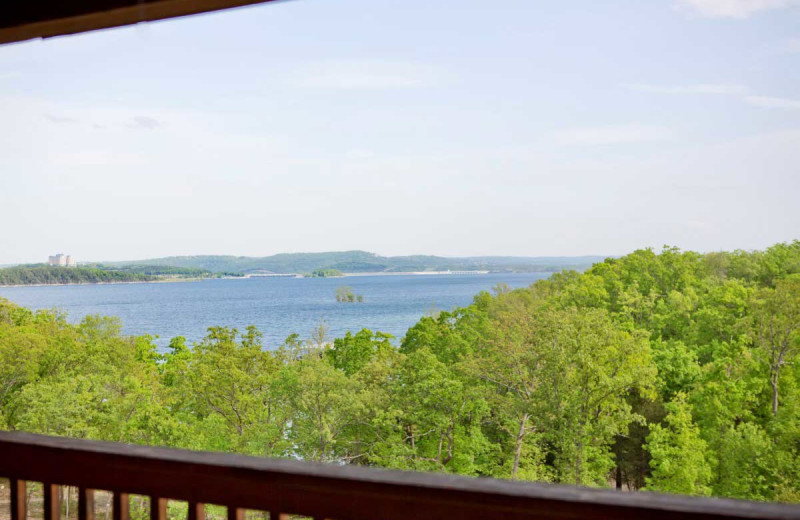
<point>284,487</point>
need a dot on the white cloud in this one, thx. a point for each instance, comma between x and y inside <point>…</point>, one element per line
<point>689,89</point>
<point>786,46</point>
<point>792,46</point>
<point>145,122</point>
<point>96,158</point>
<point>60,119</point>
<point>789,46</point>
<point>772,102</point>
<point>364,75</point>
<point>738,90</point>
<point>606,135</point>
<point>734,8</point>
<point>359,153</point>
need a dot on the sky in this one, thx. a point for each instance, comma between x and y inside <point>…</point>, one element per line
<point>452,127</point>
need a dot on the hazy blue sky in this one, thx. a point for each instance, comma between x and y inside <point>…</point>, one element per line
<point>452,127</point>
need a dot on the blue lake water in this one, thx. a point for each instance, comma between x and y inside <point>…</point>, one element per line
<point>277,306</point>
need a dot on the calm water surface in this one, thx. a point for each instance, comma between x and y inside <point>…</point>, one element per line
<point>277,306</point>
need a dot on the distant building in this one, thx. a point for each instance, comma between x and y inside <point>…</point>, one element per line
<point>62,260</point>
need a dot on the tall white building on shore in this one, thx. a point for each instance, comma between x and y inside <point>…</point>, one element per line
<point>62,260</point>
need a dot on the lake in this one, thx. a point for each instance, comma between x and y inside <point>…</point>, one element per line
<point>277,306</point>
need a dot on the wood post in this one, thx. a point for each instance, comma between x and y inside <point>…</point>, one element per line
<point>158,508</point>
<point>121,506</point>
<point>235,513</point>
<point>52,501</point>
<point>85,504</point>
<point>19,500</point>
<point>197,511</point>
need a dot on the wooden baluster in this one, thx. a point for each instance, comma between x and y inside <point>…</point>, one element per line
<point>158,508</point>
<point>52,501</point>
<point>235,513</point>
<point>85,504</point>
<point>121,506</point>
<point>197,511</point>
<point>19,499</point>
<point>274,515</point>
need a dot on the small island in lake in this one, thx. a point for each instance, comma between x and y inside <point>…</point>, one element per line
<point>346,294</point>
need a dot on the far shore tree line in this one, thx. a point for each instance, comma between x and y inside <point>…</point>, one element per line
<point>324,273</point>
<point>41,274</point>
<point>671,371</point>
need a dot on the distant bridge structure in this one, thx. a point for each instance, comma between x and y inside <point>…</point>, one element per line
<point>270,274</point>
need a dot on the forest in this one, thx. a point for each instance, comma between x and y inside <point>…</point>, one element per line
<point>324,273</point>
<point>669,371</point>
<point>53,275</point>
<point>97,273</point>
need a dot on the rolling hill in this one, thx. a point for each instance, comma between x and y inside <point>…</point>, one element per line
<point>365,262</point>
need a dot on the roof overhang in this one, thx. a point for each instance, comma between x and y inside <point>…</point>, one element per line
<point>27,19</point>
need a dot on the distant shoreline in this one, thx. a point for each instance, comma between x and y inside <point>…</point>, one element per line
<point>102,283</point>
<point>345,275</point>
<point>417,273</point>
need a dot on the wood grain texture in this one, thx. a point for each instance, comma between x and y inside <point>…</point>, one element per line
<point>339,492</point>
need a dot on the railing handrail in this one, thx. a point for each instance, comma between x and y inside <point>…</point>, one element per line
<point>332,491</point>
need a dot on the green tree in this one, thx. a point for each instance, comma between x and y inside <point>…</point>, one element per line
<point>325,404</point>
<point>776,324</point>
<point>352,352</point>
<point>679,460</point>
<point>235,380</point>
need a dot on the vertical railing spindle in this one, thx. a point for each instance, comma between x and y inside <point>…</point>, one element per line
<point>158,508</point>
<point>52,501</point>
<point>197,511</point>
<point>235,513</point>
<point>19,499</point>
<point>121,506</point>
<point>85,504</point>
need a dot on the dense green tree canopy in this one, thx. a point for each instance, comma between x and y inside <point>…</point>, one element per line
<point>96,273</point>
<point>671,371</point>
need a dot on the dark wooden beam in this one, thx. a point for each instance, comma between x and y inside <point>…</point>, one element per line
<point>27,19</point>
<point>333,491</point>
